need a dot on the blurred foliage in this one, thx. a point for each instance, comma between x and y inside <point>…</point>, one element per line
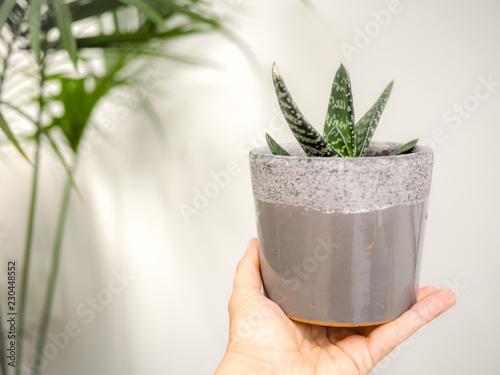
<point>71,54</point>
<point>123,31</point>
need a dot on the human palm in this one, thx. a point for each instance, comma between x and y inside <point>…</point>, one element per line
<point>263,340</point>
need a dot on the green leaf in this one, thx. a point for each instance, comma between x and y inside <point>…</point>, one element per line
<point>147,10</point>
<point>339,122</point>
<point>84,9</point>
<point>126,39</point>
<point>406,148</point>
<point>78,106</point>
<point>275,148</point>
<point>64,163</point>
<point>193,15</point>
<point>368,123</point>
<point>5,10</point>
<point>309,139</point>
<point>35,23</point>
<point>6,129</point>
<point>79,103</point>
<point>336,140</point>
<point>64,21</point>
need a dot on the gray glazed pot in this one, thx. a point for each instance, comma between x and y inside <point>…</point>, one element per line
<point>341,238</point>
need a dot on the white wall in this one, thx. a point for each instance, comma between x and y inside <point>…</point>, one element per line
<point>172,318</point>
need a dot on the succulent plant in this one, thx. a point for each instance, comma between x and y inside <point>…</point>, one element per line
<point>342,137</point>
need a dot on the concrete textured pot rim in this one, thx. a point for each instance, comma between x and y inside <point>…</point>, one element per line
<point>346,185</point>
<point>376,149</point>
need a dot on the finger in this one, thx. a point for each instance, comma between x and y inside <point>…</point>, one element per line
<point>425,291</point>
<point>422,293</point>
<point>248,270</point>
<point>385,338</point>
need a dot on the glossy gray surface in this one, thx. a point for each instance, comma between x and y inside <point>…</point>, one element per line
<point>339,268</point>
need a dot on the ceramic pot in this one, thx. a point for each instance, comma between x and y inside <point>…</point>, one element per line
<point>341,238</point>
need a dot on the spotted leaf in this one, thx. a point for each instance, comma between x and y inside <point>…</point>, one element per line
<point>275,148</point>
<point>368,123</point>
<point>309,139</point>
<point>406,148</point>
<point>339,122</point>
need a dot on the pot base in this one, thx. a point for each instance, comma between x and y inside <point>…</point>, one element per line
<point>329,324</point>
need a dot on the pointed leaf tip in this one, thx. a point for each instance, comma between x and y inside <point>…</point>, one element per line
<point>64,21</point>
<point>406,148</point>
<point>339,123</point>
<point>275,70</point>
<point>5,10</point>
<point>275,148</point>
<point>309,139</point>
<point>368,123</point>
<point>11,137</point>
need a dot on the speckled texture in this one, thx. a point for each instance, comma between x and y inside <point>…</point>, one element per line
<point>344,185</point>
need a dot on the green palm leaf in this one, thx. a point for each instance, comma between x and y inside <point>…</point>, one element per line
<point>64,163</point>
<point>64,21</point>
<point>82,10</point>
<point>5,9</point>
<point>144,8</point>
<point>8,132</point>
<point>35,26</point>
<point>124,39</point>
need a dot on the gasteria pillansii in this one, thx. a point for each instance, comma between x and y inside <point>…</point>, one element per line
<point>342,137</point>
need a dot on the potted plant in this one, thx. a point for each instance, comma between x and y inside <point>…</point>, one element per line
<point>340,219</point>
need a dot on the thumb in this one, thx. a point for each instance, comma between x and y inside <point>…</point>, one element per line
<point>247,276</point>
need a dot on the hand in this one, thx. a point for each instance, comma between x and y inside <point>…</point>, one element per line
<point>263,340</point>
